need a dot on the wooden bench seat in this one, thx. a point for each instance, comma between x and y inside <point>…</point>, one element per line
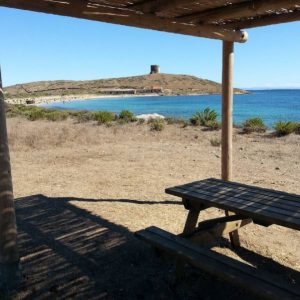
<point>216,264</point>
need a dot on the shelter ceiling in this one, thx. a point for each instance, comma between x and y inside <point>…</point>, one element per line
<point>220,19</point>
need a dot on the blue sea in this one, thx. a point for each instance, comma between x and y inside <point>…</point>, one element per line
<point>270,105</point>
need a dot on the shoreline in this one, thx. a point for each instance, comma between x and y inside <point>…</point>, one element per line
<point>44,100</point>
<point>38,101</point>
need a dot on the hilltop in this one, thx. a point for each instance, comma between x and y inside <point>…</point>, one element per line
<point>163,84</point>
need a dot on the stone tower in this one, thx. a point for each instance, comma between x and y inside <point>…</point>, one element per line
<point>154,69</point>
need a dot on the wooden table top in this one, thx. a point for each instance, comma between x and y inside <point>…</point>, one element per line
<point>260,204</point>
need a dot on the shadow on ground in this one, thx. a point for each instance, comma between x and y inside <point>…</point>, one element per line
<point>68,253</point>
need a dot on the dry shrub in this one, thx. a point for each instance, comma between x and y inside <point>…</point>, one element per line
<point>140,121</point>
<point>215,142</point>
<point>254,125</point>
<point>157,124</point>
<point>31,140</point>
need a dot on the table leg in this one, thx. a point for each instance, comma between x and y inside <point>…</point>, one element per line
<point>191,221</point>
<point>234,235</point>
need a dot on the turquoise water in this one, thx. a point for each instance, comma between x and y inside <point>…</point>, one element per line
<point>271,105</point>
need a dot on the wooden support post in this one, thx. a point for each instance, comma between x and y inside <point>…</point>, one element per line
<point>227,100</point>
<point>191,222</point>
<point>9,256</point>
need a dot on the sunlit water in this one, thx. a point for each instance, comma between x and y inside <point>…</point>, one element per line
<point>270,105</point>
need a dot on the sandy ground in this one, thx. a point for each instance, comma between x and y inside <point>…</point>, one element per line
<point>119,174</point>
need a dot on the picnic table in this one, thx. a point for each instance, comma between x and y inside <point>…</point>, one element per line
<point>244,204</point>
<point>260,205</point>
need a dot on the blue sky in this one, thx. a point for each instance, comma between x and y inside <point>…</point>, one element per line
<point>37,47</point>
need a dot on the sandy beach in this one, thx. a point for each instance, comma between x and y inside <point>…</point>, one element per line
<point>68,98</point>
<point>124,170</point>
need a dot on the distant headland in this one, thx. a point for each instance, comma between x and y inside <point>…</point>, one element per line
<point>154,83</point>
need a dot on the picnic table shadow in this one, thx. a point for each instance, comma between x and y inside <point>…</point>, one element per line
<point>69,253</point>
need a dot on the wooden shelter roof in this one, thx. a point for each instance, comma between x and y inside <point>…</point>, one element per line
<point>219,19</point>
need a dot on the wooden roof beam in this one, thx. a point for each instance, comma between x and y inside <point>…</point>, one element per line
<point>157,6</point>
<point>240,10</point>
<point>265,21</point>
<point>126,17</point>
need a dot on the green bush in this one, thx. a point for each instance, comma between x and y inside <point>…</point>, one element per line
<point>56,115</point>
<point>103,117</point>
<point>32,113</point>
<point>254,125</point>
<point>127,116</point>
<point>297,128</point>
<point>82,116</point>
<point>213,125</point>
<point>35,114</point>
<point>204,117</point>
<point>157,124</point>
<point>195,120</point>
<point>12,111</point>
<point>284,128</point>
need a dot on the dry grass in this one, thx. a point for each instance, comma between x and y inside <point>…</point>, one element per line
<point>42,134</point>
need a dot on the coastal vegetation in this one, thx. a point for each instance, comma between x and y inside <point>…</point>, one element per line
<point>254,125</point>
<point>297,128</point>
<point>206,119</point>
<point>284,128</point>
<point>103,117</point>
<point>178,121</point>
<point>157,124</point>
<point>127,116</point>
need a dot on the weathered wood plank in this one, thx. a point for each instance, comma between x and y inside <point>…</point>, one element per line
<point>247,196</point>
<point>209,231</point>
<point>290,196</point>
<point>228,269</point>
<point>237,202</point>
<point>265,21</point>
<point>159,5</point>
<point>227,123</point>
<point>125,16</point>
<point>220,188</point>
<point>191,221</point>
<point>241,10</point>
<point>212,182</point>
<point>253,210</point>
<point>227,103</point>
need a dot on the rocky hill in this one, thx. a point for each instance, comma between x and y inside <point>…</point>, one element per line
<point>165,84</point>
